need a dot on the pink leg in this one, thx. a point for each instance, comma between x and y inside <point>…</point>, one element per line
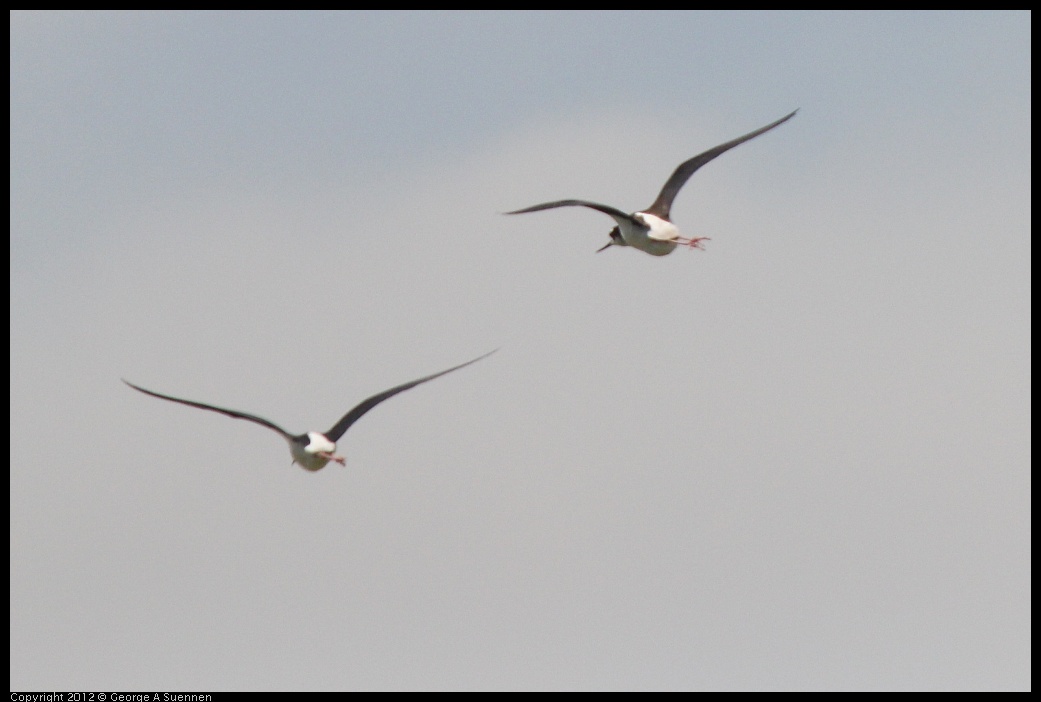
<point>695,243</point>
<point>332,457</point>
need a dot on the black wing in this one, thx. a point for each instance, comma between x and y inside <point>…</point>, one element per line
<point>355,414</point>
<point>686,169</point>
<point>231,413</point>
<point>618,215</point>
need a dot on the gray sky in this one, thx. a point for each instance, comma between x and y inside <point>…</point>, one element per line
<point>797,460</point>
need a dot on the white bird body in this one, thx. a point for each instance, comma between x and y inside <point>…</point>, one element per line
<point>657,237</point>
<point>316,454</point>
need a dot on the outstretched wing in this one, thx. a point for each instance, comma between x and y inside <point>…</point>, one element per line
<point>686,169</point>
<point>619,216</point>
<point>355,414</point>
<point>231,413</point>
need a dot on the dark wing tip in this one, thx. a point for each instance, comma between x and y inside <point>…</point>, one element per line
<point>663,204</point>
<point>542,206</point>
<point>364,406</point>
<point>137,387</point>
<point>236,414</point>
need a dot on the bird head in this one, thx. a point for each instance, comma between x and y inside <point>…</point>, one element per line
<point>616,239</point>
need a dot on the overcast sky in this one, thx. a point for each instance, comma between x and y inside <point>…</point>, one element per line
<point>796,460</point>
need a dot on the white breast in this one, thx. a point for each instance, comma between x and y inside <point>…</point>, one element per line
<point>660,229</point>
<point>657,239</point>
<point>307,456</point>
<point>319,443</point>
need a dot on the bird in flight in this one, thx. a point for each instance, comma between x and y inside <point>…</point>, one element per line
<point>651,230</point>
<point>313,450</point>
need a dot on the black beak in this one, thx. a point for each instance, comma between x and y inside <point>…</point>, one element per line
<point>610,243</point>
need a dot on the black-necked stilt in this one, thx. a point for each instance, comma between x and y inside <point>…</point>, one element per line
<point>313,450</point>
<point>651,230</point>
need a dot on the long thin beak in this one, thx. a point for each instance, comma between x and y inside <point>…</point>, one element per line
<point>610,243</point>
